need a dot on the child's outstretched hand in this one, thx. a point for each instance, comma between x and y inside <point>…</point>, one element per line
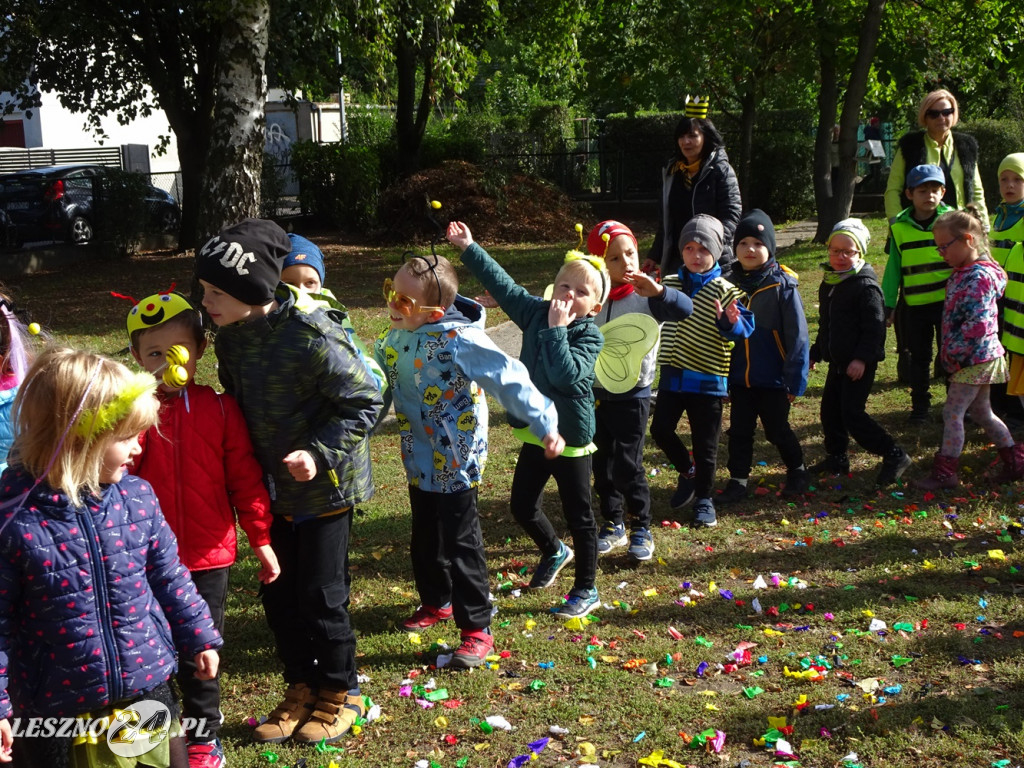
<point>459,235</point>
<point>554,444</point>
<point>301,465</point>
<point>644,284</point>
<point>268,559</point>
<point>560,313</point>
<point>487,300</point>
<point>732,312</point>
<point>6,741</point>
<point>207,664</point>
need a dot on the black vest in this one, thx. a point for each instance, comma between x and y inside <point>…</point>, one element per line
<point>966,149</point>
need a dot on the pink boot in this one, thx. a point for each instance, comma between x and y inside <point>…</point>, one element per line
<point>943,474</point>
<point>1013,464</point>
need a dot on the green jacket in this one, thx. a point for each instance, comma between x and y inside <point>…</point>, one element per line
<point>914,262</point>
<point>302,386</point>
<point>560,360</point>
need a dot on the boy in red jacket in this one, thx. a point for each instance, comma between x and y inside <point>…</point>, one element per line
<point>200,463</point>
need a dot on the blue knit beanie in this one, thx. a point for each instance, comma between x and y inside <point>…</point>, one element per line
<point>305,254</point>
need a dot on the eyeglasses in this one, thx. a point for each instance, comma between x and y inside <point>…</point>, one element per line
<point>934,113</point>
<point>848,253</point>
<point>943,248</point>
<point>405,305</point>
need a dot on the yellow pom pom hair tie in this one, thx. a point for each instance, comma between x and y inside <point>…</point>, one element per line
<point>175,373</point>
<point>106,417</point>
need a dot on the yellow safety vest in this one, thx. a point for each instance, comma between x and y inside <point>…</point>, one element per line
<point>922,271</point>
<point>1004,240</point>
<point>1013,301</point>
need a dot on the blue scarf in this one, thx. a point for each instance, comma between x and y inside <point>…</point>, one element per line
<point>1008,214</point>
<point>693,282</point>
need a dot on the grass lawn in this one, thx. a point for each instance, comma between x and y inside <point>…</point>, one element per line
<point>941,685</point>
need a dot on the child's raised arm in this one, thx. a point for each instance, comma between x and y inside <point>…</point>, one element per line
<point>459,235</point>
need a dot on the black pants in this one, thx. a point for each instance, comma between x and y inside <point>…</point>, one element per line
<point>704,412</point>
<point>448,558</point>
<point>307,605</point>
<point>619,477</point>
<point>843,413</point>
<point>922,328</point>
<point>771,406</point>
<point>201,698</point>
<point>572,475</point>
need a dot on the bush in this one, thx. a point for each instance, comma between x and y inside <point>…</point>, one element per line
<point>122,215</point>
<point>996,139</point>
<point>339,183</point>
<point>782,175</point>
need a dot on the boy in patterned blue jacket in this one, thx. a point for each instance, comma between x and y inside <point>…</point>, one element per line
<point>436,357</point>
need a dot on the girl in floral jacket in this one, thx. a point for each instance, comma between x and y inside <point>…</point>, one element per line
<point>971,351</point>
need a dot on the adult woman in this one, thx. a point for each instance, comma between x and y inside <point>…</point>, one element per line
<point>956,154</point>
<point>698,179</point>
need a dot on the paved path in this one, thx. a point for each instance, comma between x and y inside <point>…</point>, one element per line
<point>508,337</point>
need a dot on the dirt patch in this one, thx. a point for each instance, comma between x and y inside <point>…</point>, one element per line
<point>498,207</point>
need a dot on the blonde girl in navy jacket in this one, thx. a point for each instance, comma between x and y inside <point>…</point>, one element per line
<point>94,603</point>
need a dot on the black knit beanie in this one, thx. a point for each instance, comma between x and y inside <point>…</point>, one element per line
<point>245,260</point>
<point>756,223</point>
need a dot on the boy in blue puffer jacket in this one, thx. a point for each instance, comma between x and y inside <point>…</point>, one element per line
<point>768,370</point>
<point>437,357</point>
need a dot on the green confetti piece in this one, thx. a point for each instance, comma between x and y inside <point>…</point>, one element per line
<point>538,685</point>
<point>903,626</point>
<point>439,695</point>
<point>703,642</point>
<point>783,607</point>
<point>462,762</point>
<point>910,598</point>
<point>899,661</point>
<point>744,626</point>
<point>753,691</point>
<point>504,624</point>
<point>664,682</point>
<point>591,662</point>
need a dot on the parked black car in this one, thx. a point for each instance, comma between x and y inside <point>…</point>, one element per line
<point>69,202</point>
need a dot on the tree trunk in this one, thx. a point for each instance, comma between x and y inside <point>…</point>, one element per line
<point>405,119</point>
<point>230,190</point>
<point>834,200</point>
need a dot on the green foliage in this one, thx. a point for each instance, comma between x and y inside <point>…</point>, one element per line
<point>464,136</point>
<point>273,180</point>
<point>340,183</point>
<point>780,176</point>
<point>996,139</point>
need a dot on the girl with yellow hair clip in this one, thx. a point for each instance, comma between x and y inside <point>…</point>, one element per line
<point>90,578</point>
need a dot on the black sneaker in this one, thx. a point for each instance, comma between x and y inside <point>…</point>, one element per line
<point>549,567</point>
<point>797,481</point>
<point>833,464</point>
<point>684,494</point>
<point>893,465</point>
<point>734,492</point>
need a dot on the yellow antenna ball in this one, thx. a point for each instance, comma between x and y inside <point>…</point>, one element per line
<point>177,355</point>
<point>435,204</point>
<point>579,227</point>
<point>34,329</point>
<point>606,238</point>
<point>175,376</point>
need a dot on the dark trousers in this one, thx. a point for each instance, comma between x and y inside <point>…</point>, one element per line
<point>704,412</point>
<point>922,329</point>
<point>307,605</point>
<point>201,698</point>
<point>843,414</point>
<point>771,406</point>
<point>572,475</point>
<point>619,477</point>
<point>448,558</point>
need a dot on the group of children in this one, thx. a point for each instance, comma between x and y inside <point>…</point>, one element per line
<point>128,572</point>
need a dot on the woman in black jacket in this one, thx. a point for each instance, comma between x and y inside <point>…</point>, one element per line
<point>698,179</point>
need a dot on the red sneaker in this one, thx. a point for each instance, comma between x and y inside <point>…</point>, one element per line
<point>425,616</point>
<point>476,647</point>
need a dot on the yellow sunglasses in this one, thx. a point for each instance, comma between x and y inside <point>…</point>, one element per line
<point>405,305</point>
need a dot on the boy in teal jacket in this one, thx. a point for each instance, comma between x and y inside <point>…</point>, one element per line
<point>560,348</point>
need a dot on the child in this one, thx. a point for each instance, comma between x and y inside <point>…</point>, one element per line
<point>917,268</point>
<point>971,351</point>
<point>621,419</point>
<point>1008,228</point>
<point>309,403</point>
<point>694,361</point>
<point>851,339</point>
<point>437,356</point>
<point>202,439</point>
<point>15,358</point>
<point>769,370</point>
<point>94,602</point>
<point>560,348</point>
